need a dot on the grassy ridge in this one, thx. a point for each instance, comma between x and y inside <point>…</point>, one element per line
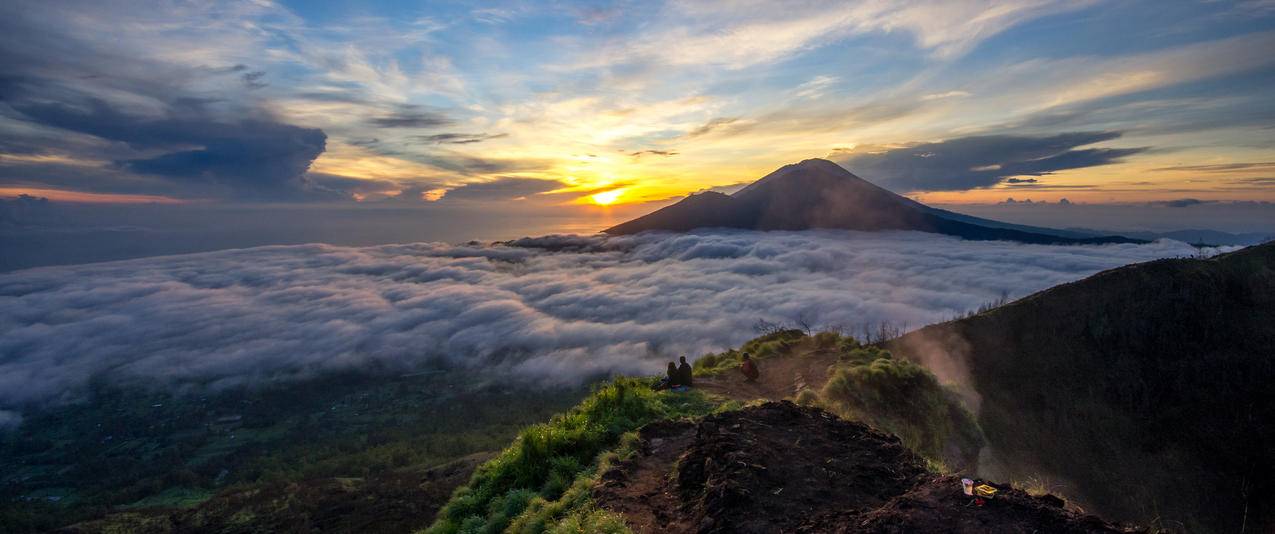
<point>868,384</point>
<point>541,482</point>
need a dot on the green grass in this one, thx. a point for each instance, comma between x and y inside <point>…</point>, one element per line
<point>760,348</point>
<point>540,483</point>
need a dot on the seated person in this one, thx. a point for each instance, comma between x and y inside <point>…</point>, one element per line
<point>686,375</point>
<point>672,380</point>
<point>749,368</point>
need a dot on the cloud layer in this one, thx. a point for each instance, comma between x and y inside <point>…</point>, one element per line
<point>983,161</point>
<point>551,309</point>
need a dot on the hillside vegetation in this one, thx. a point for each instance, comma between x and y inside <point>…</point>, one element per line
<point>861,383</point>
<point>542,482</point>
<point>1144,392</point>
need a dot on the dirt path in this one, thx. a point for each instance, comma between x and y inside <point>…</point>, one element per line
<point>782,376</point>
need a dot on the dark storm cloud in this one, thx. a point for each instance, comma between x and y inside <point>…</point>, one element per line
<point>253,159</point>
<point>982,161</point>
<point>564,309</point>
<point>502,189</point>
<point>65,94</point>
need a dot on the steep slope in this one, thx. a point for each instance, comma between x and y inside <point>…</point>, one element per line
<point>1145,390</point>
<point>818,193</point>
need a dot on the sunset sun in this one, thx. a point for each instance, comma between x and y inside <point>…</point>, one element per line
<point>606,198</point>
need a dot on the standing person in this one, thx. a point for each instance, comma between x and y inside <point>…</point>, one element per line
<point>749,368</point>
<point>687,376</point>
<point>671,380</point>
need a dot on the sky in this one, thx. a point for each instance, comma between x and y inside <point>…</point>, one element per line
<point>408,114</point>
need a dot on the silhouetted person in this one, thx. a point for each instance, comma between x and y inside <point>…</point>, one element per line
<point>670,381</point>
<point>685,375</point>
<point>749,368</point>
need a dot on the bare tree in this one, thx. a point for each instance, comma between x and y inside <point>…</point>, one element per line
<point>804,323</point>
<point>766,328</point>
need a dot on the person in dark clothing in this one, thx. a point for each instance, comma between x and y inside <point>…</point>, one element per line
<point>672,380</point>
<point>749,368</point>
<point>686,375</point>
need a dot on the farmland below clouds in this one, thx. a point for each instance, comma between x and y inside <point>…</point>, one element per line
<point>555,309</point>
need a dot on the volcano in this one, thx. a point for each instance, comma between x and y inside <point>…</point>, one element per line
<point>817,193</point>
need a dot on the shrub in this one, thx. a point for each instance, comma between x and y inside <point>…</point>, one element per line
<point>761,347</point>
<point>591,522</point>
<point>807,397</point>
<point>903,398</point>
<point>827,340</point>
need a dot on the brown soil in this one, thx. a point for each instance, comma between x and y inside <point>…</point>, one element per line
<point>778,467</point>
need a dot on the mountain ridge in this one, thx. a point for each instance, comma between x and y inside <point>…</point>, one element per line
<point>817,193</point>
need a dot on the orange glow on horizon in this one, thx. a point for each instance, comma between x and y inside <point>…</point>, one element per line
<point>81,197</point>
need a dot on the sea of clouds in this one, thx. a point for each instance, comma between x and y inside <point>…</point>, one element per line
<point>553,309</point>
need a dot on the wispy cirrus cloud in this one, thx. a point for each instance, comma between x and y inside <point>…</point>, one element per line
<point>741,34</point>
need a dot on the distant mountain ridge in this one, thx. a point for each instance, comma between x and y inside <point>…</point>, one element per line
<point>817,193</point>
